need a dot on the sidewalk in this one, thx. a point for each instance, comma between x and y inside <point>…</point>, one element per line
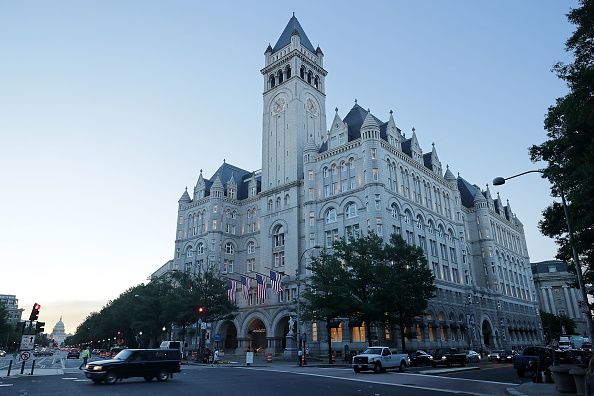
<point>534,389</point>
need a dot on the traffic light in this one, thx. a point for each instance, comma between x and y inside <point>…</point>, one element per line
<point>35,312</point>
<point>201,310</point>
<point>39,327</point>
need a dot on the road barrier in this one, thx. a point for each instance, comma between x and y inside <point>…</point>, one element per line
<point>269,357</point>
<point>9,368</point>
<point>23,367</point>
<point>33,367</point>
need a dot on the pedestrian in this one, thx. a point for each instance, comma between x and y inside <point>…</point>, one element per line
<point>346,353</point>
<point>300,357</point>
<point>85,355</point>
<point>215,358</point>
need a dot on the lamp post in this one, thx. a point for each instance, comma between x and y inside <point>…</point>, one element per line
<point>300,337</point>
<point>578,268</point>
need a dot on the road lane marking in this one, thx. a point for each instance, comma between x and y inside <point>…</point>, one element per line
<point>80,380</point>
<point>6,384</point>
<point>373,382</point>
<point>460,379</point>
<point>69,378</point>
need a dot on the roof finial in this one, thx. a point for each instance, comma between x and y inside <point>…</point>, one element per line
<point>200,171</point>
<point>433,144</point>
<point>336,110</point>
<point>355,100</point>
<point>413,129</point>
<point>391,112</point>
<point>447,166</point>
<point>458,174</point>
<point>223,160</point>
<point>293,14</point>
<point>369,111</point>
<point>186,188</point>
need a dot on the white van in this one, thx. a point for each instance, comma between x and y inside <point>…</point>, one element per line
<point>172,345</point>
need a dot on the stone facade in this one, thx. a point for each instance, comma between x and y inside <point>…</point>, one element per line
<point>12,306</point>
<point>361,175</point>
<point>557,294</point>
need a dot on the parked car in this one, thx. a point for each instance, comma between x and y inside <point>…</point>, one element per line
<point>2,353</point>
<point>420,358</point>
<point>473,357</point>
<point>73,353</point>
<point>379,359</point>
<point>494,355</point>
<point>533,357</point>
<point>507,356</point>
<point>146,363</point>
<point>448,356</point>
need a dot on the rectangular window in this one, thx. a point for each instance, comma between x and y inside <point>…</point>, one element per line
<point>327,191</point>
<point>453,255</point>
<point>455,275</point>
<point>446,273</point>
<point>341,138</point>
<point>310,175</point>
<point>314,332</point>
<point>373,153</point>
<point>378,226</point>
<point>312,194</point>
<point>331,235</point>
<point>215,208</point>
<point>178,252</point>
<point>344,185</point>
<point>436,271</point>
<point>353,184</point>
<point>410,237</point>
<point>214,224</point>
<point>358,333</point>
<point>251,265</point>
<point>375,174</point>
<point>444,251</point>
<point>336,334</point>
<point>335,189</point>
<point>279,259</point>
<point>312,218</point>
<point>352,231</point>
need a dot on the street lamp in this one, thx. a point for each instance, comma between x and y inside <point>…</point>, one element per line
<point>578,268</point>
<point>300,336</point>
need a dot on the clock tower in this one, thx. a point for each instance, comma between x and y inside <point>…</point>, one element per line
<point>294,105</point>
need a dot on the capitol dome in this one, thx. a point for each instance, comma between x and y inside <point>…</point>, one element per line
<point>58,333</point>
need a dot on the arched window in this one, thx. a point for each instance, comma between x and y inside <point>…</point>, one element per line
<point>280,76</point>
<point>269,204</point>
<point>278,236</point>
<point>407,217</point>
<point>440,231</point>
<point>200,248</point>
<point>431,227</point>
<point>302,72</point>
<point>272,81</point>
<point>229,249</point>
<point>309,75</point>
<point>189,251</point>
<point>420,222</point>
<point>251,248</point>
<point>288,71</point>
<point>316,82</point>
<point>286,200</point>
<point>395,212</point>
<point>331,216</point>
<point>278,202</point>
<point>351,210</point>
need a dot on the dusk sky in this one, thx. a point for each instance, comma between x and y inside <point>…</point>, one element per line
<point>109,109</point>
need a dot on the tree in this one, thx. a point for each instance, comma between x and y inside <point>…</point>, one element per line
<point>363,258</point>
<point>326,295</point>
<point>554,326</point>
<point>569,150</point>
<point>406,284</point>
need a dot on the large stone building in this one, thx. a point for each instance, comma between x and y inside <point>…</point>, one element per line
<point>358,175</point>
<point>11,303</point>
<point>557,294</point>
<point>58,334</point>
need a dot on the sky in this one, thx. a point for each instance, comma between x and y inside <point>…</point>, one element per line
<point>108,110</point>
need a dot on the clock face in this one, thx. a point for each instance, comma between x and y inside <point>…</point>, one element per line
<point>278,105</point>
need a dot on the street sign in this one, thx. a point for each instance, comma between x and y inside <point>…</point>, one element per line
<point>203,326</point>
<point>27,343</point>
<point>25,355</point>
<point>217,337</point>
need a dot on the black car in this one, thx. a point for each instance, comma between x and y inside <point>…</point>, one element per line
<point>146,363</point>
<point>73,353</point>
<point>420,358</point>
<point>507,356</point>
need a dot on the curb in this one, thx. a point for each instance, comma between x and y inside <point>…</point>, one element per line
<point>514,392</point>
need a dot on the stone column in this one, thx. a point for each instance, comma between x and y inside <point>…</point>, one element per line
<point>545,299</point>
<point>552,300</point>
<point>570,312</point>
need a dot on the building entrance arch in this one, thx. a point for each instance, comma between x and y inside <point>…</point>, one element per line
<point>257,335</point>
<point>228,333</point>
<point>280,333</point>
<point>487,334</point>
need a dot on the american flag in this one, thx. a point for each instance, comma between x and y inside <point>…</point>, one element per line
<point>275,280</point>
<point>261,281</point>
<point>245,287</point>
<point>231,289</point>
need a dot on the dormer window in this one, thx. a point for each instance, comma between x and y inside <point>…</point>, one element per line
<point>341,138</point>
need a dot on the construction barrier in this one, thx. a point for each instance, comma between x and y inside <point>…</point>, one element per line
<point>269,357</point>
<point>333,356</point>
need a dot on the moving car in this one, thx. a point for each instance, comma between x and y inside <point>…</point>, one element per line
<point>448,356</point>
<point>73,353</point>
<point>473,357</point>
<point>420,358</point>
<point>379,359</point>
<point>507,356</point>
<point>494,355</point>
<point>533,358</point>
<point>146,363</point>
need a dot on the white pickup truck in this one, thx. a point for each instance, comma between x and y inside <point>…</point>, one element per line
<point>379,359</point>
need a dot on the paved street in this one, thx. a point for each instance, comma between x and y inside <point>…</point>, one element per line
<point>281,377</point>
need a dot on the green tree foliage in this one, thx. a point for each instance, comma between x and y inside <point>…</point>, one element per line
<point>327,294</point>
<point>367,280</point>
<point>569,150</point>
<point>10,334</point>
<point>406,285</point>
<point>554,325</point>
<point>170,299</point>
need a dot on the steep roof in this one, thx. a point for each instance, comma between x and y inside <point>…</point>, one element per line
<point>467,192</point>
<point>285,37</point>
<point>355,118</point>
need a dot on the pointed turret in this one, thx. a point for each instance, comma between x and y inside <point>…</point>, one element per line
<point>415,148</point>
<point>200,187</point>
<point>232,187</point>
<point>293,28</point>
<point>217,189</point>
<point>369,121</point>
<point>185,197</point>
<point>449,176</point>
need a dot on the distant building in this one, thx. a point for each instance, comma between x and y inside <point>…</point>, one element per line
<point>58,334</point>
<point>12,306</point>
<point>357,175</point>
<point>556,291</point>
<point>165,268</point>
